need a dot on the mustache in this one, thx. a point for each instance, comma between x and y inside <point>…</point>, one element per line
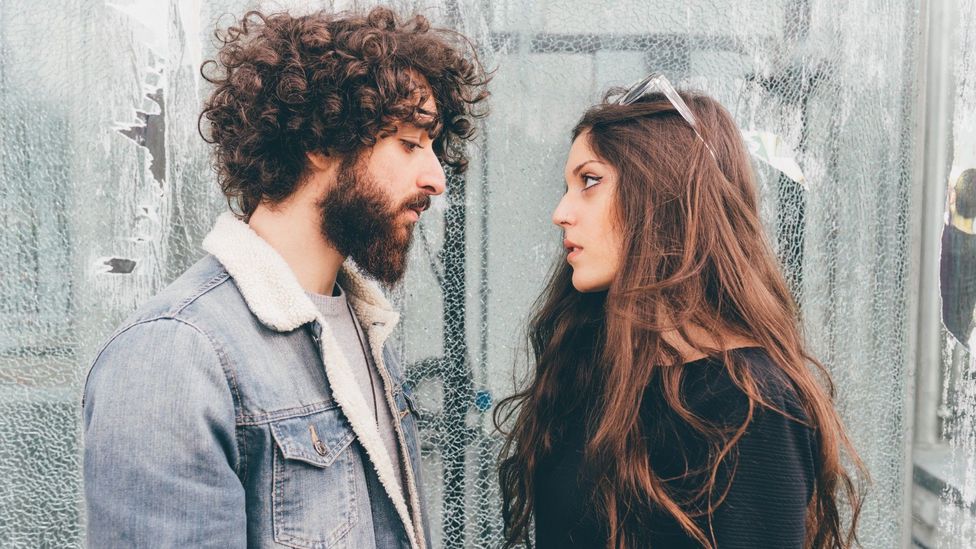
<point>421,202</point>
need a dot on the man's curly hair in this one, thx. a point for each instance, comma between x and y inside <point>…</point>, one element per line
<point>331,84</point>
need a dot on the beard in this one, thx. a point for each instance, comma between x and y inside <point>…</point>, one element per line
<point>361,221</point>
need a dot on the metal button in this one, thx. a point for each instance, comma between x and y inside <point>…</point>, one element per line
<point>319,446</point>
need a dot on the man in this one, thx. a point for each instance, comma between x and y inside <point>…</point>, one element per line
<point>252,403</point>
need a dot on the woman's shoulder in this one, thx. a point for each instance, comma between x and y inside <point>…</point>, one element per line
<point>713,391</point>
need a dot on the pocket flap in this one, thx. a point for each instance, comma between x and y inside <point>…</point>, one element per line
<point>316,438</point>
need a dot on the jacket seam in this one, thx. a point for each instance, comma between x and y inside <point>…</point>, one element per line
<point>288,413</point>
<point>221,359</point>
<point>171,313</point>
<point>216,280</point>
<point>230,377</point>
<point>241,436</point>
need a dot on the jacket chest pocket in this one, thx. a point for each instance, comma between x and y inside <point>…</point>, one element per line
<point>317,480</point>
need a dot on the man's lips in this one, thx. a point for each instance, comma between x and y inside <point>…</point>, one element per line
<point>419,206</point>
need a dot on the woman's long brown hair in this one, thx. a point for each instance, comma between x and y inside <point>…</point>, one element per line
<point>694,249</point>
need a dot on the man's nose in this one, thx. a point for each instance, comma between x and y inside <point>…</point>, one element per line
<point>432,179</point>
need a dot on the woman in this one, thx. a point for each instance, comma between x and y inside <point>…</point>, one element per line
<point>672,403</point>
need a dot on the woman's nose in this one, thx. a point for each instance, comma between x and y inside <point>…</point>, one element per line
<point>561,216</point>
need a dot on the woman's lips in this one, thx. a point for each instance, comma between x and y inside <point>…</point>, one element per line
<point>572,249</point>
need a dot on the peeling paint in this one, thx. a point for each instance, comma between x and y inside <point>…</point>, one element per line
<point>115,265</point>
<point>150,17</point>
<point>150,132</point>
<point>189,21</point>
<point>189,28</point>
<point>149,212</point>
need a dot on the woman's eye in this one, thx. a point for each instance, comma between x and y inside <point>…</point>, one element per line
<point>410,146</point>
<point>590,181</point>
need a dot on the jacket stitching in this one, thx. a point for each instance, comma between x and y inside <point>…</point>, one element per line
<point>213,282</point>
<point>271,417</point>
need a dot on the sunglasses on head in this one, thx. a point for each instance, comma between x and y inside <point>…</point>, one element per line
<point>656,82</point>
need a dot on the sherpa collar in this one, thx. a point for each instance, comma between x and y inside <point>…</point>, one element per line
<point>276,298</point>
<point>272,291</point>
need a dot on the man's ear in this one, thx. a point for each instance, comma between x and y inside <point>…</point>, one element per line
<point>319,161</point>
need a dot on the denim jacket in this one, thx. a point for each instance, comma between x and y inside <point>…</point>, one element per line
<point>223,414</point>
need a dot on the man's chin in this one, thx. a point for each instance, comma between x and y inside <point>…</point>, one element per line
<point>389,273</point>
<point>387,279</point>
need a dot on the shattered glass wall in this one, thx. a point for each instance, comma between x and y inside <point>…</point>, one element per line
<point>944,501</point>
<point>106,193</point>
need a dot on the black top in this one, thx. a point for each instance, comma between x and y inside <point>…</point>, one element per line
<point>772,484</point>
<point>957,275</point>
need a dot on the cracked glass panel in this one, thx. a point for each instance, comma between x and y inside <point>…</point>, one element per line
<point>106,193</point>
<point>947,469</point>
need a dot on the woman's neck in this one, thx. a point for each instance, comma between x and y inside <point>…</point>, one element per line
<point>690,346</point>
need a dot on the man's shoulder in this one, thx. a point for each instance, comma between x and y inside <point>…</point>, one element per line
<point>175,328</point>
<point>204,288</point>
<point>203,292</point>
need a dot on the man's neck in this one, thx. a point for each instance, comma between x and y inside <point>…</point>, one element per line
<point>292,228</point>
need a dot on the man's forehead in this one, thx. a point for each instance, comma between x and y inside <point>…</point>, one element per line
<point>428,109</point>
<point>425,116</point>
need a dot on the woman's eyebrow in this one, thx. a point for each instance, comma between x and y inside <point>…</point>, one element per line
<point>577,169</point>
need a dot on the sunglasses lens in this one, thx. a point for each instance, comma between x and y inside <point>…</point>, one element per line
<point>657,82</point>
<point>637,89</point>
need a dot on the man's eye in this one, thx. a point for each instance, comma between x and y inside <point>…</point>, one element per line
<point>590,181</point>
<point>410,146</point>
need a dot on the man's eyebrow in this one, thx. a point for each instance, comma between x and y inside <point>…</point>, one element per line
<point>424,113</point>
<point>577,169</point>
<point>427,120</point>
